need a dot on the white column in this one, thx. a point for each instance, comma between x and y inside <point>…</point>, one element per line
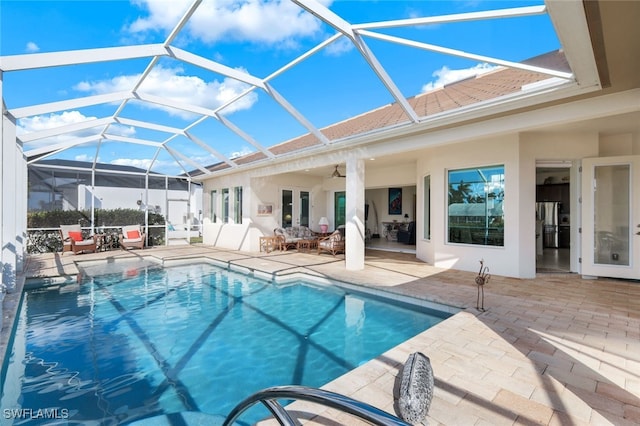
<point>22,185</point>
<point>354,252</point>
<point>8,206</point>
<point>2,125</point>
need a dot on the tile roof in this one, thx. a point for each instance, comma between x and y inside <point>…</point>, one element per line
<point>484,87</point>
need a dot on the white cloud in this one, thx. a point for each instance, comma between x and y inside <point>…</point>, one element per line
<point>141,163</point>
<point>51,121</point>
<point>85,157</point>
<point>338,47</point>
<point>44,122</point>
<point>446,76</point>
<point>32,47</point>
<point>243,20</point>
<point>243,151</point>
<point>168,167</point>
<point>171,84</point>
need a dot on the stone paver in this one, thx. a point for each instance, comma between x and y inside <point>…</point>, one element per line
<point>555,350</point>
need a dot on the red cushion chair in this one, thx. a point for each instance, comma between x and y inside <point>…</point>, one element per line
<point>73,241</point>
<point>131,237</point>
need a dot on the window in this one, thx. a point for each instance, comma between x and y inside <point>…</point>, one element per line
<point>287,208</point>
<point>304,208</point>
<point>237,204</point>
<point>225,205</point>
<point>475,207</point>
<point>427,208</point>
<point>214,206</point>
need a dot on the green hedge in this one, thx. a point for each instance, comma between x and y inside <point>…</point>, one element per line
<point>43,241</point>
<point>117,217</point>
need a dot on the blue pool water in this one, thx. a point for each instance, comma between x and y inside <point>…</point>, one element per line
<point>142,342</point>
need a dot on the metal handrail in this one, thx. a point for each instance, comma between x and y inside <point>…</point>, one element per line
<point>269,397</point>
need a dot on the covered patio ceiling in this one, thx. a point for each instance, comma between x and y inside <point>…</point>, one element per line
<point>187,88</point>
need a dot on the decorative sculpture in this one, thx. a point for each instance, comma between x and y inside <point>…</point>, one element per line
<point>481,280</point>
<point>415,389</point>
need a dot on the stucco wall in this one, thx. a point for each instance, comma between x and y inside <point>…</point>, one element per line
<point>520,153</point>
<point>436,162</point>
<point>256,191</point>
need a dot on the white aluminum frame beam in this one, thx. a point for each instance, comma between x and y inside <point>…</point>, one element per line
<point>136,141</point>
<point>385,78</point>
<point>70,128</point>
<point>52,149</point>
<point>457,17</point>
<point>244,135</point>
<point>466,55</point>
<point>187,160</point>
<point>197,110</point>
<point>183,21</point>
<point>330,18</point>
<point>147,125</point>
<point>216,67</point>
<point>571,14</point>
<point>69,104</point>
<point>297,115</point>
<point>77,57</point>
<point>216,153</point>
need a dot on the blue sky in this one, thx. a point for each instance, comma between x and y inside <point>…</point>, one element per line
<point>254,36</point>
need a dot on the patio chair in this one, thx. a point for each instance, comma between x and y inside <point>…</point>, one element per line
<point>333,244</point>
<point>73,241</point>
<point>131,237</point>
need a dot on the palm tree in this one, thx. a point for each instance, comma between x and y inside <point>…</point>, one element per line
<point>459,193</point>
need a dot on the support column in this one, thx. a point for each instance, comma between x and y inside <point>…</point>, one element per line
<point>2,159</point>
<point>10,204</point>
<point>22,185</point>
<point>354,252</point>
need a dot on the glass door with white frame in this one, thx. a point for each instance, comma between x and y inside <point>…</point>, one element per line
<point>295,207</point>
<point>611,217</point>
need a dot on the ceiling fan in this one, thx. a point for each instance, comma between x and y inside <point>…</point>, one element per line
<point>336,173</point>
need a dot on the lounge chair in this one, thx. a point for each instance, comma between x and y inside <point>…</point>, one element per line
<point>131,237</point>
<point>73,241</point>
<point>333,244</point>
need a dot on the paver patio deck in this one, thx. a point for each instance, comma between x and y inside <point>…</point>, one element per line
<point>555,350</point>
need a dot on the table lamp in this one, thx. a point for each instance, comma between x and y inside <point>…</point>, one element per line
<point>324,224</point>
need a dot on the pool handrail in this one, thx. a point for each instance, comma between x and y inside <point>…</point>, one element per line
<point>269,397</point>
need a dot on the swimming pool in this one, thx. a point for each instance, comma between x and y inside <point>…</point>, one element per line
<point>145,341</point>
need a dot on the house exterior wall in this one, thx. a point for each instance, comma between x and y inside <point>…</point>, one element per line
<point>258,190</point>
<point>436,162</point>
<point>572,136</point>
<point>519,153</point>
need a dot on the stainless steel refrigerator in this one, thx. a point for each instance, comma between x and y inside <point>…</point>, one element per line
<point>547,212</point>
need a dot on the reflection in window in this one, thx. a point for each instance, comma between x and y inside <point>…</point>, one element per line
<point>287,208</point>
<point>475,206</point>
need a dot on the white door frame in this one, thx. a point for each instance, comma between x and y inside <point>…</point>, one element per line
<point>590,266</point>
